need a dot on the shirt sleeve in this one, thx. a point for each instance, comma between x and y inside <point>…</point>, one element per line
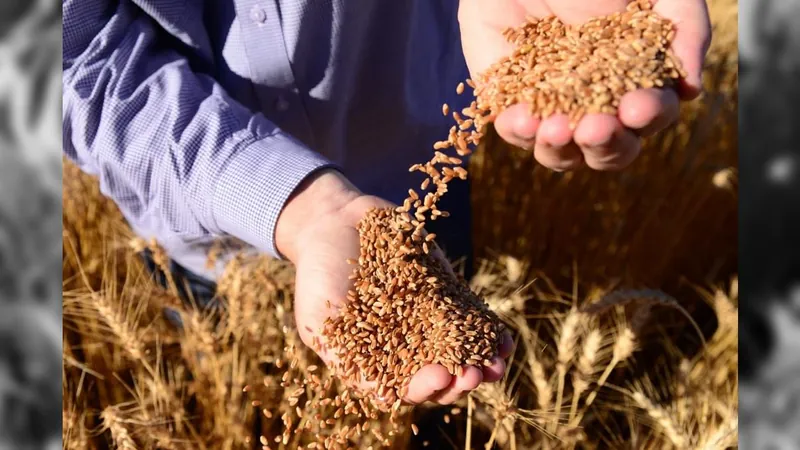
<point>169,145</point>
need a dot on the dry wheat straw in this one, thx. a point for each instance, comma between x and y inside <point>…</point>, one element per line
<point>126,334</point>
<point>552,67</point>
<point>623,348</point>
<point>663,418</point>
<point>725,436</point>
<point>586,368</point>
<point>574,70</point>
<point>565,344</point>
<point>407,309</point>
<point>113,421</point>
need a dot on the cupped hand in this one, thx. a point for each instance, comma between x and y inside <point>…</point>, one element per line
<point>601,141</point>
<point>320,255</point>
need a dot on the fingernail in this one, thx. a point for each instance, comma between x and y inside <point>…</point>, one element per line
<point>604,143</point>
<point>524,133</point>
<point>598,146</point>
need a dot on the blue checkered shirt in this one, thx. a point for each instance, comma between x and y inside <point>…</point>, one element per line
<point>201,117</point>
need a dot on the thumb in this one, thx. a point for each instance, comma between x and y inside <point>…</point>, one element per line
<point>576,12</point>
<point>691,42</point>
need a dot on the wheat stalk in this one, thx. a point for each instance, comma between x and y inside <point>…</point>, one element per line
<point>725,436</point>
<point>623,348</point>
<point>663,418</point>
<point>566,345</point>
<point>115,422</point>
<point>586,368</point>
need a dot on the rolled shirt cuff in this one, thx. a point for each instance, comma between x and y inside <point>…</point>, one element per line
<point>254,186</point>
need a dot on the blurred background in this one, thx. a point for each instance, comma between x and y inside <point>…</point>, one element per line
<point>30,225</point>
<point>769,211</point>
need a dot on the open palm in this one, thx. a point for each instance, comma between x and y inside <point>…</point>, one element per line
<point>601,141</point>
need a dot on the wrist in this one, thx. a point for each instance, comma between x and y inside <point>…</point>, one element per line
<point>322,194</point>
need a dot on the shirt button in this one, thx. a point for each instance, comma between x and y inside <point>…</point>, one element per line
<point>258,15</point>
<point>282,104</point>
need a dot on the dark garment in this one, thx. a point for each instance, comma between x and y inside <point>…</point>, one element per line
<point>192,289</point>
<point>454,233</point>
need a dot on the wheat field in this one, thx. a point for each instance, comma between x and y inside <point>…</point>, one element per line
<point>620,289</point>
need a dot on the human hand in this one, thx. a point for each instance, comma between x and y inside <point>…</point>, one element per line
<point>319,245</point>
<point>602,141</point>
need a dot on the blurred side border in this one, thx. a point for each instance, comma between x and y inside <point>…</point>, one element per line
<point>30,224</point>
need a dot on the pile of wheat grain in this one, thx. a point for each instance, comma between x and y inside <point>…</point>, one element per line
<point>578,69</point>
<point>555,68</point>
<point>670,216</point>
<point>407,309</point>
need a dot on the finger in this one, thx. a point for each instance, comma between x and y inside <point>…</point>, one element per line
<point>471,379</point>
<point>554,147</point>
<point>494,372</point>
<point>481,28</point>
<point>649,111</point>
<point>427,382</point>
<point>517,126</point>
<point>576,12</point>
<point>691,42</point>
<point>605,143</point>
